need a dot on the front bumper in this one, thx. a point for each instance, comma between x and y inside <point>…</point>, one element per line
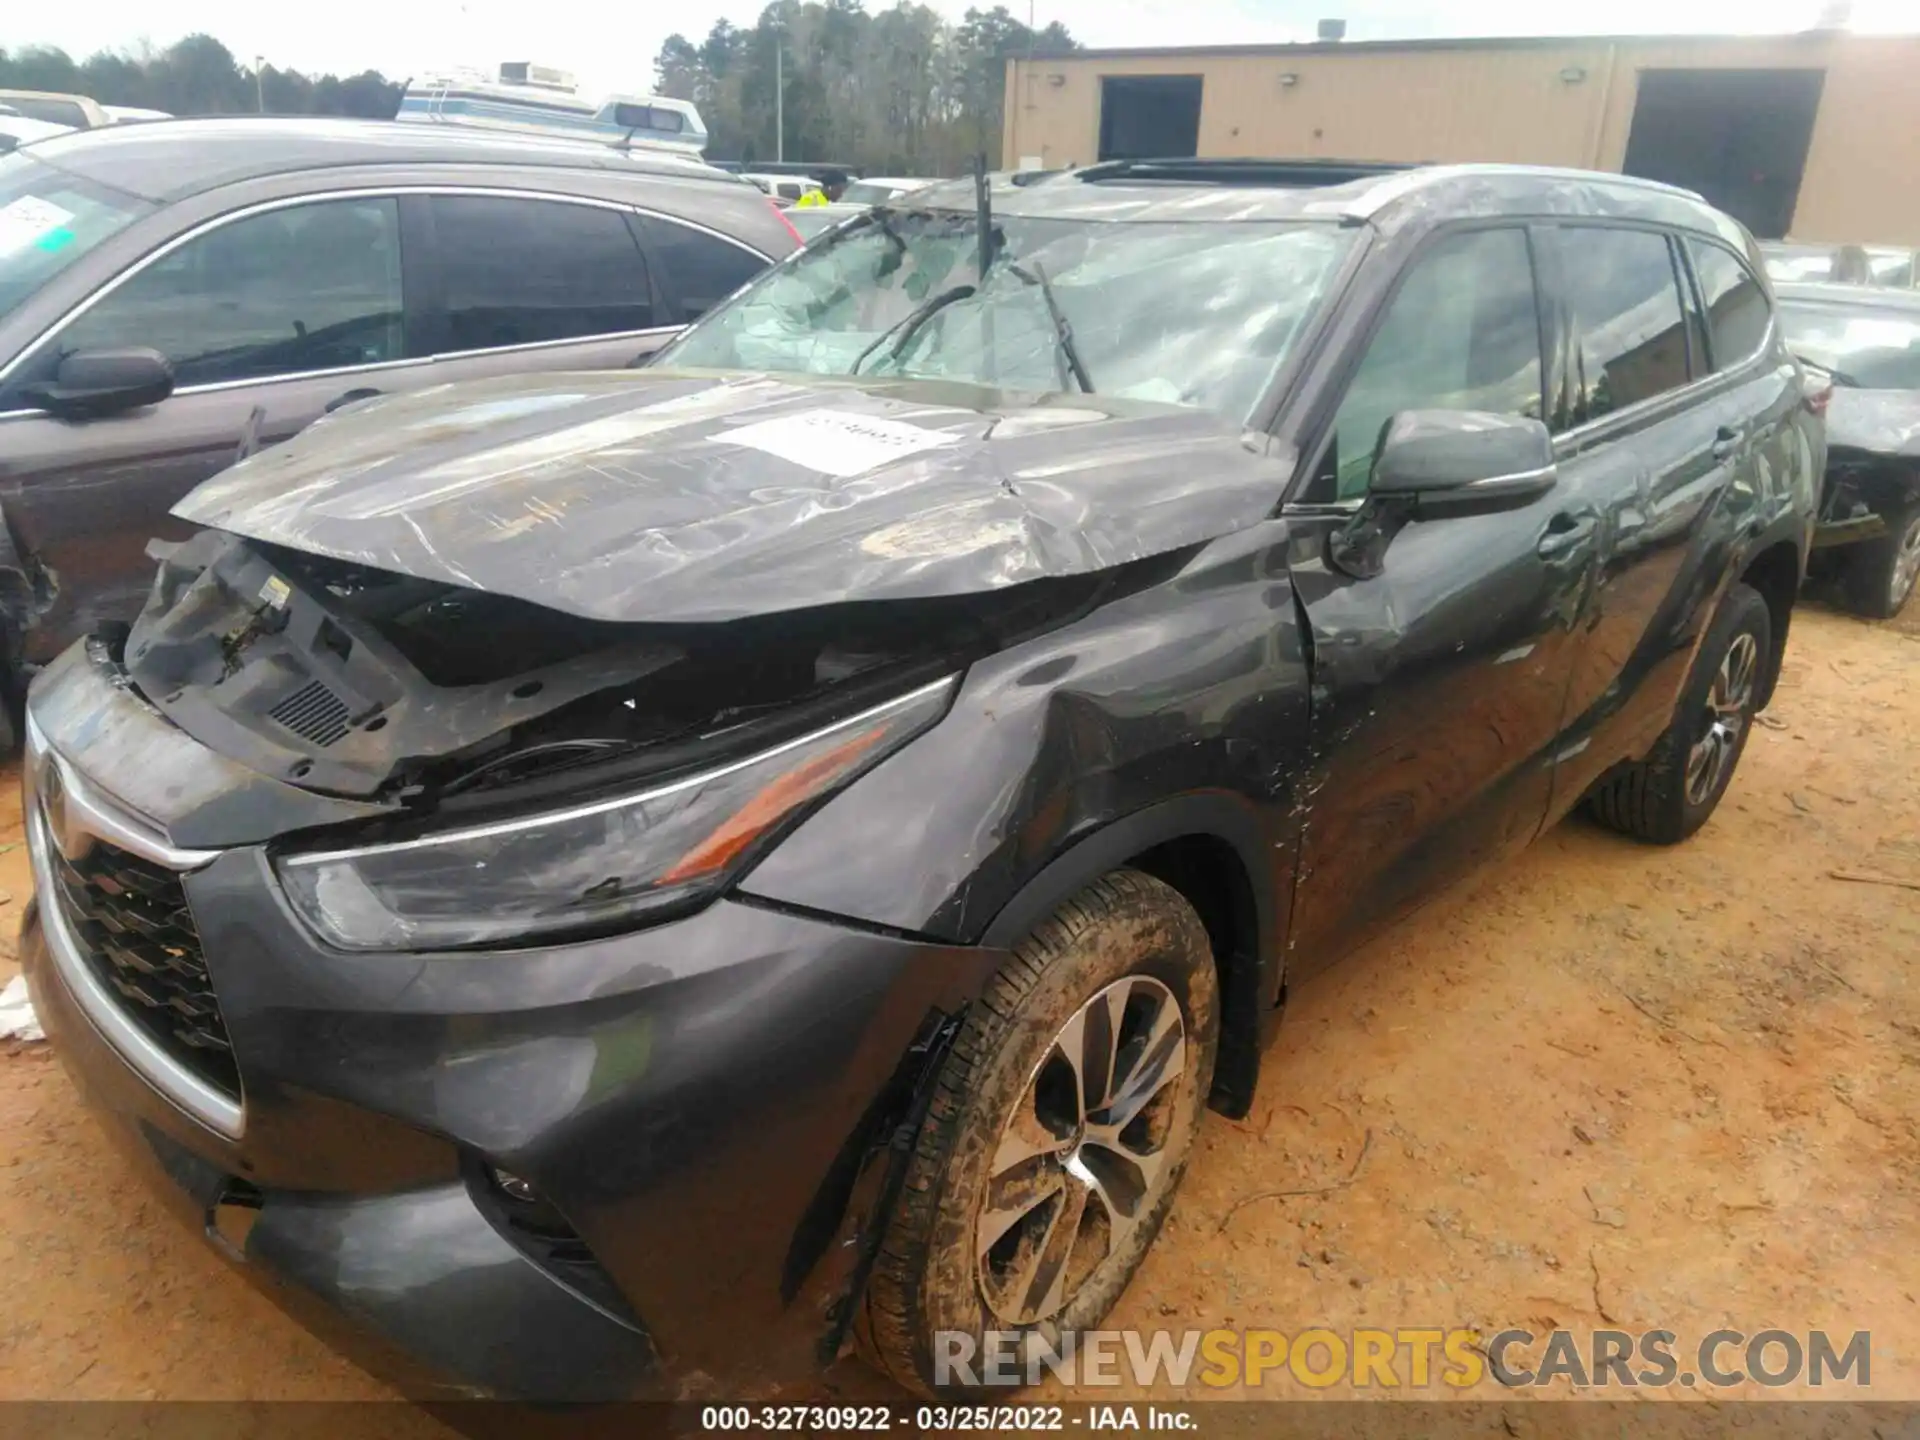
<point>698,1100</point>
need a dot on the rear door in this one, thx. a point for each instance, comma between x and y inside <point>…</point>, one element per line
<point>1438,682</point>
<point>1649,442</point>
<point>267,315</point>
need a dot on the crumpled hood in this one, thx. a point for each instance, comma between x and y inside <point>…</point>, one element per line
<point>1885,422</point>
<point>696,496</point>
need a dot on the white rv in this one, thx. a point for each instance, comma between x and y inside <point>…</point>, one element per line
<point>536,99</point>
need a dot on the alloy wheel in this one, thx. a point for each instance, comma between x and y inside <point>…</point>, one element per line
<point>1723,721</point>
<point>1083,1159</point>
<point>1906,567</point>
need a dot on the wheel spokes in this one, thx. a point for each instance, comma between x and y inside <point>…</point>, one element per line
<point>1015,1197</point>
<point>1081,1160</point>
<point>1039,1277</point>
<point>1157,1056</point>
<point>1071,1046</point>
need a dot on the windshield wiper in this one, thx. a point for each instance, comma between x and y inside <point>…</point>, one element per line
<point>909,326</point>
<point>1062,330</point>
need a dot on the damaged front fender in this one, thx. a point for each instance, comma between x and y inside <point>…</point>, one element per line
<point>1166,729</point>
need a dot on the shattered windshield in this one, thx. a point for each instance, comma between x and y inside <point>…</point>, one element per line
<point>1184,312</point>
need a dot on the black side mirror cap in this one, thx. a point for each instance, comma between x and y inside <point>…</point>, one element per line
<point>90,383</point>
<point>1461,462</point>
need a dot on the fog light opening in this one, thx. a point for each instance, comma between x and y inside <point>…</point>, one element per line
<point>231,1217</point>
<point>514,1188</point>
<point>525,1209</point>
<point>534,1226</point>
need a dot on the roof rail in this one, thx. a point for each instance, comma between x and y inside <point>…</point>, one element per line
<point>1244,170</point>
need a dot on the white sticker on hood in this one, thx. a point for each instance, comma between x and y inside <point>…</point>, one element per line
<point>27,221</point>
<point>836,442</point>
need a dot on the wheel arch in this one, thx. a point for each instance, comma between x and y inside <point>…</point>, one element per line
<point>1214,851</point>
<point>1775,569</point>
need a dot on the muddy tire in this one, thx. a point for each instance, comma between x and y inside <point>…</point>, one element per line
<point>1078,1167</point>
<point>1880,574</point>
<point>1669,795</point>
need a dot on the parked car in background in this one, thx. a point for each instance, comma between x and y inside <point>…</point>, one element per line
<point>811,220</point>
<point>1792,263</point>
<point>74,111</point>
<point>641,876</point>
<point>18,130</point>
<point>183,290</point>
<point>877,189</point>
<point>785,189</point>
<point>133,114</point>
<point>1868,341</point>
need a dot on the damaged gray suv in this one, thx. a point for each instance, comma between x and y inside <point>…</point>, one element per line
<point>581,881</point>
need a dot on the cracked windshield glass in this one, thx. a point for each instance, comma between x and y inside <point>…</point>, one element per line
<point>1174,311</point>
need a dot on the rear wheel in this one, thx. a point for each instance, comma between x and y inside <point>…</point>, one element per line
<point>1881,573</point>
<point>1060,1126</point>
<point>1670,794</point>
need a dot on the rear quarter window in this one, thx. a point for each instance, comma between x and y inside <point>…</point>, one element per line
<point>701,268</point>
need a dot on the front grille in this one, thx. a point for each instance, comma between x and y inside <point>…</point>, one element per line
<point>313,712</point>
<point>137,934</point>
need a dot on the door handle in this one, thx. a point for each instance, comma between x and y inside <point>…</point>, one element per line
<point>1565,531</point>
<point>1726,442</point>
<point>348,398</point>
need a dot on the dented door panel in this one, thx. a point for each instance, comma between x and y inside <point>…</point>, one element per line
<point>1437,698</point>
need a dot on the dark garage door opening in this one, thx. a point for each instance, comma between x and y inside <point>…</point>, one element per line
<point>1738,137</point>
<point>1149,117</point>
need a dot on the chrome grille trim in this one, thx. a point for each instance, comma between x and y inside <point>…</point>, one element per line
<point>85,811</point>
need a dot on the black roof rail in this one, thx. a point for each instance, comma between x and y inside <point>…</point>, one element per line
<point>1245,170</point>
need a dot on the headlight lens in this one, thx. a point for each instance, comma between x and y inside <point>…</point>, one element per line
<point>597,866</point>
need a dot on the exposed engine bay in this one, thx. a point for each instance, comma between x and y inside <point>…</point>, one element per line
<point>360,682</point>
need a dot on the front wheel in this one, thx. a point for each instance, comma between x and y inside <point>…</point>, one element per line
<point>1671,794</point>
<point>1060,1126</point>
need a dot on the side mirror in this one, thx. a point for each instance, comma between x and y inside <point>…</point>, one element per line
<point>103,382</point>
<point>1437,463</point>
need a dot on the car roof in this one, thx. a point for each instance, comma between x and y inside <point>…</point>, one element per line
<point>1864,297</point>
<point>1829,247</point>
<point>167,160</point>
<point>1389,196</point>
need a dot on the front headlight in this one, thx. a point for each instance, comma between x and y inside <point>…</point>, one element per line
<point>595,867</point>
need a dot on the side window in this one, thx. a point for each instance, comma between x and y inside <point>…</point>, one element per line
<point>702,269</point>
<point>308,287</point>
<point>1461,333</point>
<point>54,112</point>
<point>1629,336</point>
<point>1737,312</point>
<point>517,272</point>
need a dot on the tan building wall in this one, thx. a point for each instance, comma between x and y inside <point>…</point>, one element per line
<point>1528,102</point>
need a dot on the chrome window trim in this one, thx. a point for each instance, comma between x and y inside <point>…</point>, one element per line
<point>378,192</point>
<point>87,808</point>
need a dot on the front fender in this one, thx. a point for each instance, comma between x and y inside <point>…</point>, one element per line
<point>1178,710</point>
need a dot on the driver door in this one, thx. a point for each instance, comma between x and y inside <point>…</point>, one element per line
<point>1439,681</point>
<point>281,311</point>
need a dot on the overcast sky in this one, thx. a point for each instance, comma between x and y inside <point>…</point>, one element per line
<point>611,46</point>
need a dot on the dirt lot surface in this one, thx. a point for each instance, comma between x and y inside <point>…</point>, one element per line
<point>1608,1085</point>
